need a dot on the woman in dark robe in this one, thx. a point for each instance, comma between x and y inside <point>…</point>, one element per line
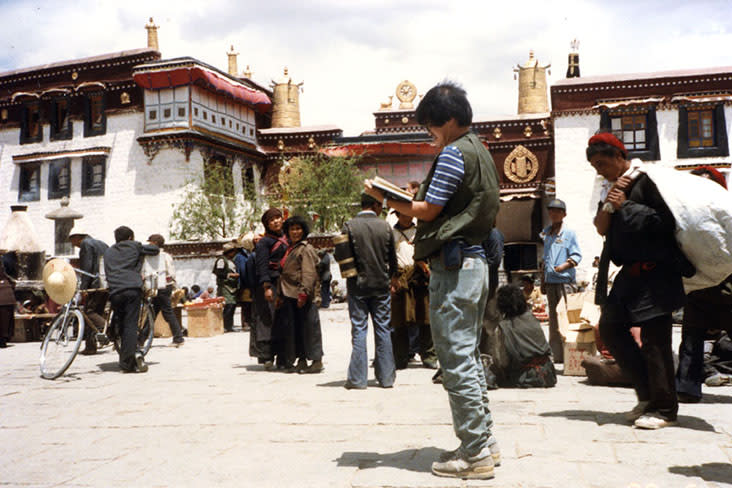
<point>299,289</point>
<point>269,251</point>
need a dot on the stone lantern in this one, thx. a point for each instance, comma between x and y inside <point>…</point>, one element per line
<point>63,218</point>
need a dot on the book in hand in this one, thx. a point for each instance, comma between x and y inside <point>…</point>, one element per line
<point>390,189</point>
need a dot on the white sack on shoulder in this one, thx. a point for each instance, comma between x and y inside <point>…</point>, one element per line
<point>703,213</point>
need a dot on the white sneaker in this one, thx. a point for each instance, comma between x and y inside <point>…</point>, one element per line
<point>637,412</point>
<point>495,454</point>
<point>479,467</point>
<point>718,379</point>
<point>653,421</point>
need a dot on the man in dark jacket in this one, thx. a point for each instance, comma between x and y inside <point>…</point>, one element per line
<point>122,267</point>
<point>639,236</point>
<point>368,294</point>
<point>90,253</point>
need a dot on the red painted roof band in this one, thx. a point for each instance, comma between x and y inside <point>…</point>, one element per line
<point>171,78</point>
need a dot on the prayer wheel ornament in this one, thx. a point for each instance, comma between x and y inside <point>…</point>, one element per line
<point>532,87</point>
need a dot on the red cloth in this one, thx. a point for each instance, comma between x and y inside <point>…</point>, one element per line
<point>608,138</point>
<point>716,175</point>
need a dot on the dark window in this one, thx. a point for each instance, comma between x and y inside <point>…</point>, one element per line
<point>181,112</point>
<point>248,185</point>
<point>637,129</point>
<point>631,129</point>
<point>31,129</point>
<point>702,132</point>
<point>29,187</point>
<point>60,119</point>
<point>166,113</point>
<point>93,170</point>
<point>153,114</point>
<point>96,121</point>
<point>520,256</point>
<point>213,119</point>
<point>195,111</point>
<point>59,178</point>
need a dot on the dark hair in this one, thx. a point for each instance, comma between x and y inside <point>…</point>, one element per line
<point>270,214</point>
<point>296,220</point>
<point>367,201</point>
<point>510,301</point>
<point>195,288</point>
<point>123,233</point>
<point>443,102</point>
<point>527,279</point>
<point>156,239</point>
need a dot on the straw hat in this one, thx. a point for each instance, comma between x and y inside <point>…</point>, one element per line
<point>59,281</point>
<point>78,231</point>
<point>228,246</point>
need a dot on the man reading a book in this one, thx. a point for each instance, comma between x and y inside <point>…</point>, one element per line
<point>456,206</point>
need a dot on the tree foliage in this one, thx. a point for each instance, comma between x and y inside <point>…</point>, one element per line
<point>327,186</point>
<point>210,208</point>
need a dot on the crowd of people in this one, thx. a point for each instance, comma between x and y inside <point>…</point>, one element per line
<point>429,283</point>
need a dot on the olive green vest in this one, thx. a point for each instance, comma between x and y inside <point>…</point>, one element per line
<point>471,211</point>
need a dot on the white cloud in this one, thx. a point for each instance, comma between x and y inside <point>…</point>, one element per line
<point>351,55</point>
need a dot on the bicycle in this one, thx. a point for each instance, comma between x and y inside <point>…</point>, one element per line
<point>63,339</point>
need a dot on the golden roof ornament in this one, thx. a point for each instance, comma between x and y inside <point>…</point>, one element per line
<point>152,35</point>
<point>233,69</point>
<point>247,73</point>
<point>406,92</point>
<point>286,101</point>
<point>387,105</point>
<point>521,165</point>
<point>532,86</point>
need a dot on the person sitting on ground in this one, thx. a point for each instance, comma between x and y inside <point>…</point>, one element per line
<point>209,293</point>
<point>525,361</point>
<point>195,292</point>
<point>532,294</point>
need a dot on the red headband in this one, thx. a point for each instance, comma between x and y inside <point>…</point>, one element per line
<point>716,175</point>
<point>608,138</point>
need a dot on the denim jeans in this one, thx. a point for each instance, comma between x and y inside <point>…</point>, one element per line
<point>457,303</point>
<point>379,307</point>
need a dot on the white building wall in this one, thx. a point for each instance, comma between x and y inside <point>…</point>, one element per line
<point>578,185</point>
<point>137,193</point>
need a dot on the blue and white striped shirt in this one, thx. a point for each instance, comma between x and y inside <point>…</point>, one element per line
<point>448,175</point>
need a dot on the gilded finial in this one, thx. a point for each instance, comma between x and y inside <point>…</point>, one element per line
<point>152,35</point>
<point>247,73</point>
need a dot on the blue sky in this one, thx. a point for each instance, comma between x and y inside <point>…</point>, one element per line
<point>352,54</point>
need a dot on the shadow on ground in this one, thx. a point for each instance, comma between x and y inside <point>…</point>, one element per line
<point>341,383</point>
<point>604,418</point>
<point>418,460</point>
<point>710,398</point>
<point>114,366</point>
<point>714,472</point>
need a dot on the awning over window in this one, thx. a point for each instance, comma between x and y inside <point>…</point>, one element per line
<point>611,104</point>
<point>157,78</point>
<point>708,98</point>
<point>72,153</point>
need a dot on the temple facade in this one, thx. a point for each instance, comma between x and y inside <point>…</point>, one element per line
<point>677,119</point>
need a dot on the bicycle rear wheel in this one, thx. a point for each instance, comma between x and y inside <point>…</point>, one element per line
<point>147,329</point>
<point>61,343</point>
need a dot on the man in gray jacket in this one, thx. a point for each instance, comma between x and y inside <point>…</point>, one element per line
<point>368,294</point>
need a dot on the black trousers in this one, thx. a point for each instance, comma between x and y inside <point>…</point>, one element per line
<point>705,309</point>
<point>161,304</point>
<point>401,342</point>
<point>229,310</point>
<point>126,306</point>
<point>651,367</point>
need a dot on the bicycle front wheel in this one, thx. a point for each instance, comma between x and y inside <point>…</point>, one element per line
<point>146,330</point>
<point>61,343</point>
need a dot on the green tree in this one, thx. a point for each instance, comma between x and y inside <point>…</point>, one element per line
<point>327,186</point>
<point>211,210</point>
